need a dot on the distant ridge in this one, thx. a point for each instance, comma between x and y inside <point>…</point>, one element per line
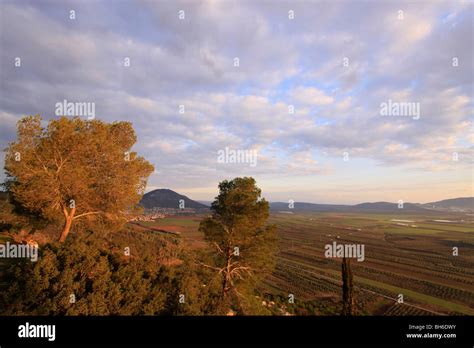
<point>302,206</point>
<point>165,198</point>
<point>388,207</point>
<point>453,203</point>
<point>464,204</point>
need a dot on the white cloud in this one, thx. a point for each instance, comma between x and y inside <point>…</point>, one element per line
<point>311,96</point>
<point>282,62</point>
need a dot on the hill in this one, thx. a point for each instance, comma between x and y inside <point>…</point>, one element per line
<point>165,198</point>
<point>462,203</point>
<point>308,207</point>
<point>387,207</point>
<point>456,204</point>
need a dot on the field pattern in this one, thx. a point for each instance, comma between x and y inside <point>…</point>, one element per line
<point>414,259</point>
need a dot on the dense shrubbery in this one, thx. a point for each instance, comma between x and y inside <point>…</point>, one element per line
<point>95,271</point>
<point>102,281</point>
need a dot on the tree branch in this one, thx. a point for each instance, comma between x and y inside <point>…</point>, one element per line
<point>65,211</point>
<point>89,213</point>
<point>219,248</point>
<point>208,266</point>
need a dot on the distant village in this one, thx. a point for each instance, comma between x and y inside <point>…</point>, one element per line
<point>152,214</point>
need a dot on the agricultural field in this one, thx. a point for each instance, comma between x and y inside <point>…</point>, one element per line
<point>186,227</point>
<point>410,256</point>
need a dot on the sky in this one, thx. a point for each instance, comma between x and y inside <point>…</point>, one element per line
<point>298,85</point>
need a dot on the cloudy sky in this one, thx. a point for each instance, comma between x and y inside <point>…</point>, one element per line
<point>306,93</point>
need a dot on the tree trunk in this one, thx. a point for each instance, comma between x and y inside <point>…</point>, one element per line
<point>226,275</point>
<point>347,288</point>
<point>67,226</point>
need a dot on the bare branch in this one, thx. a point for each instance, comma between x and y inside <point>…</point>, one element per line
<point>208,266</point>
<point>219,248</point>
<point>65,211</point>
<point>89,213</point>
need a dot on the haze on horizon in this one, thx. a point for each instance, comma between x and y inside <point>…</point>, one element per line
<point>334,62</point>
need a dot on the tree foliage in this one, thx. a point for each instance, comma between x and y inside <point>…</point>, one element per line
<point>91,274</point>
<point>75,169</point>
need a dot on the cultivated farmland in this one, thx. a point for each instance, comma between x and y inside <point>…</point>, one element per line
<point>409,256</point>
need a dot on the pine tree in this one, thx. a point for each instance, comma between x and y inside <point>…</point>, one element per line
<point>75,169</point>
<point>347,288</point>
<point>244,244</point>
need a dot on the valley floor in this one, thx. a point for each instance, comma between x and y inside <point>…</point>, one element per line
<point>410,256</point>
